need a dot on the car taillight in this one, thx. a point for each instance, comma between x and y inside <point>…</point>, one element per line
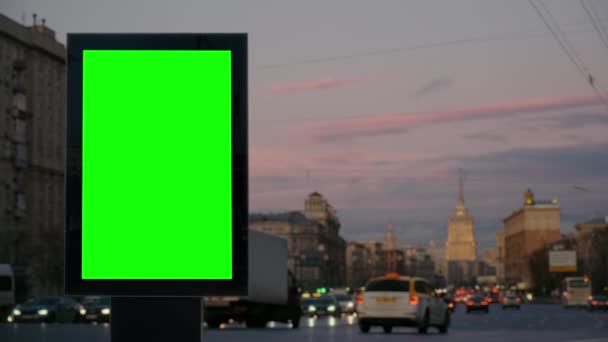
<point>470,303</point>
<point>505,300</point>
<point>451,305</point>
<point>518,300</point>
<point>360,299</point>
<point>484,303</point>
<point>594,302</point>
<point>414,300</point>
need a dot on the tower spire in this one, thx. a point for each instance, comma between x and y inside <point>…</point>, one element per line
<point>461,179</point>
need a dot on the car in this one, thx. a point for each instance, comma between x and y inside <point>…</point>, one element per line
<point>326,305</point>
<point>597,302</point>
<point>47,310</point>
<point>95,309</point>
<point>346,302</point>
<point>395,300</point>
<point>477,303</point>
<point>511,301</point>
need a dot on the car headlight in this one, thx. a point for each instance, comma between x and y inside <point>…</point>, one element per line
<point>311,308</point>
<point>83,311</point>
<point>43,312</point>
<point>350,304</point>
<point>16,312</point>
<point>331,308</point>
<point>105,311</point>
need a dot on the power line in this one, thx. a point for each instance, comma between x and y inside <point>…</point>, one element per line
<point>596,25</point>
<point>572,55</point>
<point>497,37</point>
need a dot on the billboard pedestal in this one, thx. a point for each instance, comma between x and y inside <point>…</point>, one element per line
<point>151,319</point>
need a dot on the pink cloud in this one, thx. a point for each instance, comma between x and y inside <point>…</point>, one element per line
<point>324,83</point>
<point>375,125</point>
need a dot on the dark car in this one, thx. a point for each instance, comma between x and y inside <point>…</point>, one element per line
<point>598,303</point>
<point>477,303</point>
<point>347,303</point>
<point>321,306</point>
<point>95,309</point>
<point>47,310</point>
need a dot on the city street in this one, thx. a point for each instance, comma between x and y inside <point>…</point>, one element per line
<point>532,323</point>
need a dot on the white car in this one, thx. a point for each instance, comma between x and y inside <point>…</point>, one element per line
<point>395,300</point>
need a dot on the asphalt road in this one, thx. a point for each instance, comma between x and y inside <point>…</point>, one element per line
<point>533,323</point>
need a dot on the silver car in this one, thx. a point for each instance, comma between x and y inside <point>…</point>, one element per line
<point>511,301</point>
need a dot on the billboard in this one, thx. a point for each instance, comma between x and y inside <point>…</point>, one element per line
<point>157,164</point>
<point>562,261</point>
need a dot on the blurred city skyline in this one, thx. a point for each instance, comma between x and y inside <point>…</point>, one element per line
<point>377,107</point>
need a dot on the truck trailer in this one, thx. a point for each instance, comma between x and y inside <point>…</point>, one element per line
<point>273,293</point>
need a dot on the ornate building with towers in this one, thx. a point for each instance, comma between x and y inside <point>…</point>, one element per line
<point>461,246</point>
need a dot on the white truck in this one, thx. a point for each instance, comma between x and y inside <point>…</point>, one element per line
<point>7,291</point>
<point>272,291</point>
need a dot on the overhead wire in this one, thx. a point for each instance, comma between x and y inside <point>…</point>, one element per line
<point>596,22</point>
<point>568,49</point>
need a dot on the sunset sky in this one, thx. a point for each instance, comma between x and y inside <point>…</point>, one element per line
<point>378,104</point>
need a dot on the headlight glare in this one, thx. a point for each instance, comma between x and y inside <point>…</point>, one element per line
<point>331,308</point>
<point>311,308</point>
<point>105,311</point>
<point>43,312</point>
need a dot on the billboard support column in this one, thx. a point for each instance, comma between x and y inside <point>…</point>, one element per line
<point>154,319</point>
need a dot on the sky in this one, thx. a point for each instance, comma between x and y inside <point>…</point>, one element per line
<point>377,105</point>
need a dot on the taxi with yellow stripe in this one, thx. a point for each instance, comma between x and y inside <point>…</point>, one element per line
<point>395,300</point>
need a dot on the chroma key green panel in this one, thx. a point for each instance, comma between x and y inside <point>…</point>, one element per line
<point>156,164</point>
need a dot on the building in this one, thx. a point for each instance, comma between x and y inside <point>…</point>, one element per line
<point>526,231</point>
<point>500,257</point>
<point>461,246</point>
<point>437,253</point>
<point>357,272</point>
<point>395,260</point>
<point>489,256</point>
<point>376,258</point>
<point>316,250</point>
<point>585,233</point>
<point>32,133</point>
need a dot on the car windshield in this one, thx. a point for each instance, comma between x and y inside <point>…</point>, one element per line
<point>388,285</point>
<point>343,298</point>
<point>97,300</point>
<point>478,298</point>
<point>600,298</point>
<point>324,301</point>
<point>578,283</point>
<point>42,301</point>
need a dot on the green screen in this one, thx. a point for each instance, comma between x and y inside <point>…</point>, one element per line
<point>156,158</point>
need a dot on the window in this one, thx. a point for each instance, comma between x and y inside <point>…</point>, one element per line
<point>388,285</point>
<point>421,287</point>
<point>6,283</point>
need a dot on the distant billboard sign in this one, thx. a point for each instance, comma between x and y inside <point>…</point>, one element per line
<point>562,261</point>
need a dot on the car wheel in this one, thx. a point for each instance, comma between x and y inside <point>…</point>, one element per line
<point>387,329</point>
<point>295,323</point>
<point>364,328</point>
<point>446,323</point>
<point>424,325</point>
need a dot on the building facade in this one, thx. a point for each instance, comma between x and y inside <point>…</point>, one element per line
<point>32,133</point>
<point>585,233</point>
<point>317,253</point>
<point>357,272</point>
<point>526,231</point>
<point>461,246</point>
<point>437,253</point>
<point>376,258</point>
<point>500,257</point>
<point>395,259</point>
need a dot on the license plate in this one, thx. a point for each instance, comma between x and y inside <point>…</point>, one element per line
<point>386,299</point>
<point>91,316</point>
